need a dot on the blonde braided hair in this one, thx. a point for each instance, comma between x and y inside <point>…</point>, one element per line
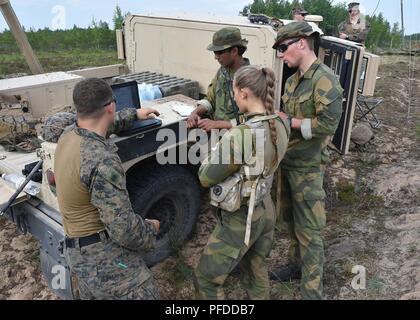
<point>260,81</point>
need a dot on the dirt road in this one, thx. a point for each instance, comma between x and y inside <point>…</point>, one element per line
<point>373,217</point>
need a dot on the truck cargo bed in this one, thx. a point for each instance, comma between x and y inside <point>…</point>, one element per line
<point>15,161</point>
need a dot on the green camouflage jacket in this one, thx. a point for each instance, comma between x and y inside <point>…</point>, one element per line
<point>316,98</point>
<point>357,32</point>
<point>218,103</point>
<point>220,165</point>
<point>100,172</point>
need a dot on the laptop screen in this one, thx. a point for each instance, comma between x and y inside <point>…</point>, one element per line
<point>126,95</point>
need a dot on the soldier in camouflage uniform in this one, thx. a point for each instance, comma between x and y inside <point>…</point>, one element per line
<point>228,47</point>
<point>299,13</point>
<point>355,28</point>
<point>227,247</point>
<point>103,234</point>
<point>313,104</point>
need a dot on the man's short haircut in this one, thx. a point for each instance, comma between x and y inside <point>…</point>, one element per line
<point>311,42</point>
<point>90,96</point>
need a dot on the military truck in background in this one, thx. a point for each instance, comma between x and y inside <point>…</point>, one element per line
<point>175,48</point>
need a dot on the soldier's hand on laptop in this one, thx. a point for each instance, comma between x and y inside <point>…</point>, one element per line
<point>155,222</point>
<point>147,113</point>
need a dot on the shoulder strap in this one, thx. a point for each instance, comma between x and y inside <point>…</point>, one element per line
<point>264,118</point>
<point>257,122</point>
<point>286,126</point>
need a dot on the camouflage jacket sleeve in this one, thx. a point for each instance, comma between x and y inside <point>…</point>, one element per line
<point>210,101</point>
<point>225,158</point>
<point>110,196</point>
<point>341,27</point>
<point>360,36</point>
<point>124,120</point>
<point>328,105</point>
<point>56,124</point>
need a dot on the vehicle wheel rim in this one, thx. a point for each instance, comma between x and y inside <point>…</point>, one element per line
<point>165,210</point>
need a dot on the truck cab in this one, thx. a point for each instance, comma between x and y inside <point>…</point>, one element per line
<point>173,47</point>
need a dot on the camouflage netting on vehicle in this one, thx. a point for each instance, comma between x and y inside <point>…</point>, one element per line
<point>18,133</point>
<point>55,125</point>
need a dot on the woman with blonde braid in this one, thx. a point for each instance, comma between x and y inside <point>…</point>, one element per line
<point>239,171</point>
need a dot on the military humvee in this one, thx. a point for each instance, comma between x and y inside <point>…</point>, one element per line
<point>173,46</point>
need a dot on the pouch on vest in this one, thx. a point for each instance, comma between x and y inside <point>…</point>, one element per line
<point>236,190</point>
<point>227,195</point>
<point>242,187</point>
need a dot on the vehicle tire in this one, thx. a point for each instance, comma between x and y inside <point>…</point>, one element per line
<point>171,194</point>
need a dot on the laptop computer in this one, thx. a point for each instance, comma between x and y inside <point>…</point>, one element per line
<point>127,96</point>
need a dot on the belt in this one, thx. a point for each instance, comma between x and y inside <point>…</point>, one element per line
<point>85,241</point>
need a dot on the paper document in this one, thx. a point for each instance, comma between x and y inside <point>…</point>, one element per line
<point>182,108</point>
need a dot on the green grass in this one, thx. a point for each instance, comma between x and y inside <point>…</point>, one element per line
<point>346,193</point>
<point>179,273</point>
<point>58,61</point>
<point>375,286</point>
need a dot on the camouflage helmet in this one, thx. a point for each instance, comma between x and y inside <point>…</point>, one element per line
<point>227,38</point>
<point>353,5</point>
<point>299,10</point>
<point>293,30</point>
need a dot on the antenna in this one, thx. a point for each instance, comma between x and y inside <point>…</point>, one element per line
<point>377,5</point>
<point>402,22</point>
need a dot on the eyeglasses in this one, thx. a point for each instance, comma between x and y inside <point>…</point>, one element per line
<point>282,48</point>
<point>114,99</point>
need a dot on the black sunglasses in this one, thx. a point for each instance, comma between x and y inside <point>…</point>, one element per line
<point>114,99</point>
<point>222,51</point>
<point>282,48</point>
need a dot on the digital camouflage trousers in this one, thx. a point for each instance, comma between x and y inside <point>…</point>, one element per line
<point>106,271</point>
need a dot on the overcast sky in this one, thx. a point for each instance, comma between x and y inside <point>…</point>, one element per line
<point>53,13</point>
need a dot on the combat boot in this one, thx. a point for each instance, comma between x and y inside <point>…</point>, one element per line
<point>286,273</point>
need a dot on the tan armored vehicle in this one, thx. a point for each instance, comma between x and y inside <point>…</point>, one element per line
<point>156,48</point>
